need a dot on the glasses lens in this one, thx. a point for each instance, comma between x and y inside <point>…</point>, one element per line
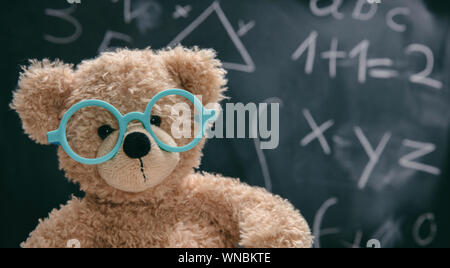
<point>173,120</point>
<point>92,132</point>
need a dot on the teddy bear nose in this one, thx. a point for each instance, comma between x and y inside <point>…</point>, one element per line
<point>136,145</point>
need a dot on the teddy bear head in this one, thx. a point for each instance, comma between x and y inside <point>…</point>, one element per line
<point>127,80</point>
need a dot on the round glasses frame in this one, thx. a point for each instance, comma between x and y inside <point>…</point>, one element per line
<point>58,137</point>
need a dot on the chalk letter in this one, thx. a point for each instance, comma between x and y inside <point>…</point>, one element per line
<point>396,12</point>
<point>64,14</point>
<point>332,9</point>
<point>260,147</point>
<point>309,44</point>
<point>423,77</point>
<point>317,227</point>
<point>422,149</point>
<point>357,12</point>
<point>423,242</point>
<point>317,132</point>
<point>362,49</point>
<point>374,155</point>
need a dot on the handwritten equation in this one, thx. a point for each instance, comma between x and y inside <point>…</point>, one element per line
<point>379,68</point>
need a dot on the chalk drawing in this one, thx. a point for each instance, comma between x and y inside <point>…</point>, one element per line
<point>394,13</point>
<point>332,9</point>
<point>249,65</point>
<point>244,28</point>
<point>381,73</point>
<point>182,11</point>
<point>318,219</point>
<point>309,44</point>
<point>318,132</point>
<point>422,149</point>
<point>64,14</point>
<point>259,151</point>
<point>359,15</point>
<point>423,242</point>
<point>333,55</point>
<point>423,76</point>
<point>146,13</point>
<point>111,35</point>
<point>362,50</point>
<point>374,155</point>
<point>356,242</point>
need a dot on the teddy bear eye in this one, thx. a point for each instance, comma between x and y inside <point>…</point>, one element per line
<point>105,131</point>
<point>155,120</point>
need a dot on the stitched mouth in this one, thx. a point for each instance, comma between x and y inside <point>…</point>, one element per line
<point>142,169</point>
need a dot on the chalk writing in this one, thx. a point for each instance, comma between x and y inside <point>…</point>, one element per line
<point>308,45</point>
<point>333,55</point>
<point>317,132</point>
<point>374,154</point>
<point>332,9</point>
<point>182,11</point>
<point>358,11</point>
<point>392,14</point>
<point>215,8</point>
<point>423,76</point>
<point>259,146</point>
<point>419,224</point>
<point>378,68</point>
<point>64,14</point>
<point>422,149</point>
<point>111,35</point>
<point>318,219</point>
<point>146,14</point>
<point>244,28</point>
<point>423,232</point>
<point>408,161</point>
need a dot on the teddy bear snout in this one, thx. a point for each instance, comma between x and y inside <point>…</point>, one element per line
<point>136,145</point>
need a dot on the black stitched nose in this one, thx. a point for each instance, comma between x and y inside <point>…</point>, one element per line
<point>136,145</point>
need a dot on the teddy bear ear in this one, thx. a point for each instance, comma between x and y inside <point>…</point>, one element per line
<point>42,90</point>
<point>197,71</point>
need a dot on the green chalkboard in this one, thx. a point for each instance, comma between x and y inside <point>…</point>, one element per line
<point>363,88</point>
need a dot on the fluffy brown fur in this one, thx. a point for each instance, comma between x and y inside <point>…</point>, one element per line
<point>183,208</point>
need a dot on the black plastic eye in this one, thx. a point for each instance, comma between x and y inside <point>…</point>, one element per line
<point>105,131</point>
<point>155,120</point>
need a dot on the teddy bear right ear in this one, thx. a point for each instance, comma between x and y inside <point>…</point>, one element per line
<point>43,88</point>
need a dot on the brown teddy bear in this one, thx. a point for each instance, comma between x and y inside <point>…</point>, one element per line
<point>172,206</point>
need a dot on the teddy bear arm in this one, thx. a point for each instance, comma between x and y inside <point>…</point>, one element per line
<point>262,220</point>
<point>269,221</point>
<point>63,228</point>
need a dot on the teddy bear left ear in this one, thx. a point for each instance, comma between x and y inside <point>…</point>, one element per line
<point>43,88</point>
<point>197,71</point>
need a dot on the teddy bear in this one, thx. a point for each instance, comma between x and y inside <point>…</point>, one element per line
<point>144,196</point>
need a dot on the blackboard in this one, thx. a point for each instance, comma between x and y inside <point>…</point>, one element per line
<point>363,88</point>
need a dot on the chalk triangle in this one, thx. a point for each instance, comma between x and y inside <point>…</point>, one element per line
<point>215,8</point>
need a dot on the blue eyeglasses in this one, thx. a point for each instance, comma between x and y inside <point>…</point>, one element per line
<point>203,116</point>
